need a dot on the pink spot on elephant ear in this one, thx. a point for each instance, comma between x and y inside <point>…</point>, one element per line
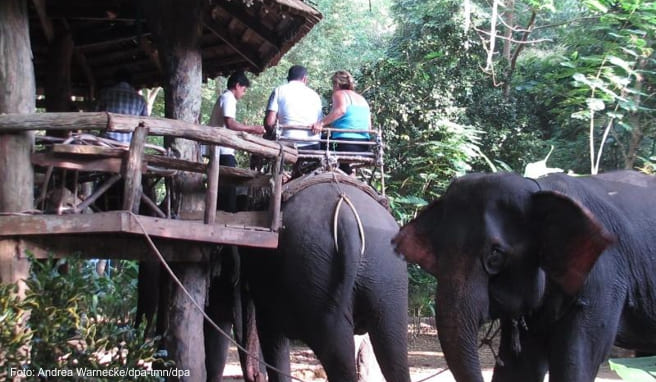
<point>415,248</point>
<point>571,275</point>
<point>572,239</point>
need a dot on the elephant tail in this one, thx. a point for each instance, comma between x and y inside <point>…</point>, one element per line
<point>344,198</point>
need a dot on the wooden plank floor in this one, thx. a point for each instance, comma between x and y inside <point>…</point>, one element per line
<point>126,223</point>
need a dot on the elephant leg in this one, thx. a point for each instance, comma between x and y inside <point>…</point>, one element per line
<point>333,344</point>
<point>582,340</point>
<point>147,293</point>
<point>221,310</point>
<point>165,283</point>
<point>216,344</point>
<point>530,364</point>
<point>275,348</point>
<point>389,340</point>
<point>252,369</point>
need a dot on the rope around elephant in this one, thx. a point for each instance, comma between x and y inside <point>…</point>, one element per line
<point>344,198</point>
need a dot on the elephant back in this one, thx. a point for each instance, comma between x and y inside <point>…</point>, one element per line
<point>297,185</point>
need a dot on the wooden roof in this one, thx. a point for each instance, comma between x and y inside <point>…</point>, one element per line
<point>248,35</point>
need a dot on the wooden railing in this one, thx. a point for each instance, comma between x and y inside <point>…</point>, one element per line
<point>372,157</point>
<point>131,162</point>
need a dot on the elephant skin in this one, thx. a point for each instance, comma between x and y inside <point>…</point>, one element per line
<point>568,265</point>
<point>309,290</point>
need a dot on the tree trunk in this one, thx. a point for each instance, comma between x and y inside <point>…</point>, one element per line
<point>58,84</point>
<point>17,96</point>
<point>177,25</point>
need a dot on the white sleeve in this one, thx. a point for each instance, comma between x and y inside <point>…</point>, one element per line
<point>272,105</point>
<point>229,106</point>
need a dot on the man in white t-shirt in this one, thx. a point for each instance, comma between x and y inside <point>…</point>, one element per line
<point>295,104</point>
<point>225,112</point>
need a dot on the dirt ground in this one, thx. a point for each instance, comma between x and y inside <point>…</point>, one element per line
<point>424,355</point>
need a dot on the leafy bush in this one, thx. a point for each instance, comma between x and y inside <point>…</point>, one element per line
<point>77,320</point>
<point>14,335</point>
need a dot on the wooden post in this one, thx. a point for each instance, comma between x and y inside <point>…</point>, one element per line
<point>177,25</point>
<point>212,185</point>
<point>132,190</point>
<point>17,95</point>
<point>276,194</point>
<point>58,83</point>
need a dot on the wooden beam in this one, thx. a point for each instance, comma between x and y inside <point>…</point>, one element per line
<point>233,174</point>
<point>112,165</point>
<point>46,23</point>
<point>11,123</point>
<point>81,60</point>
<point>222,232</point>
<point>101,151</point>
<point>98,37</point>
<point>106,246</point>
<point>224,35</point>
<point>251,22</point>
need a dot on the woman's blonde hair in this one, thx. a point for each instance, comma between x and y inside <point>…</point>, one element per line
<point>343,80</point>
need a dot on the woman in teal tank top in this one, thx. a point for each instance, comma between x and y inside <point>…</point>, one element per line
<point>350,111</point>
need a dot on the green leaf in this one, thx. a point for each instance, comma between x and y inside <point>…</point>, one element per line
<point>641,369</point>
<point>596,5</point>
<point>433,55</point>
<point>414,200</point>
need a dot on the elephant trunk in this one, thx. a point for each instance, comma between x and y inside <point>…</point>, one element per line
<point>458,321</point>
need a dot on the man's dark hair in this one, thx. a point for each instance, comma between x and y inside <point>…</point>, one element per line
<point>296,72</point>
<point>122,75</point>
<point>238,78</point>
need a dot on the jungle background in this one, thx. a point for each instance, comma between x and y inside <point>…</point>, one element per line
<point>456,86</point>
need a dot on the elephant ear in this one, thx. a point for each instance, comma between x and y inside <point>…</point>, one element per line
<point>413,240</point>
<point>571,239</point>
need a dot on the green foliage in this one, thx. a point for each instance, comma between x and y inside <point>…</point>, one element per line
<point>14,335</point>
<point>421,292</point>
<point>596,86</point>
<point>77,319</point>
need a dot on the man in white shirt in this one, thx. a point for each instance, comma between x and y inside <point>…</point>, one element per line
<point>225,112</point>
<point>295,104</point>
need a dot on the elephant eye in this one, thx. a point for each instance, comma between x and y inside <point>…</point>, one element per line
<point>494,261</point>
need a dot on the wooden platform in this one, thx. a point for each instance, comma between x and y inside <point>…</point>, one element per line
<point>120,234</point>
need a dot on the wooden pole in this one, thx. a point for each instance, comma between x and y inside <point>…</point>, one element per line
<point>276,195</point>
<point>17,95</point>
<point>132,189</point>
<point>177,25</point>
<point>58,83</point>
<point>212,185</point>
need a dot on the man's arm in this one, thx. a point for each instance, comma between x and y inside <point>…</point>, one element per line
<point>270,120</point>
<point>232,124</point>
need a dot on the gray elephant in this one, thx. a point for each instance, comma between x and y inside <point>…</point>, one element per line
<point>567,263</point>
<point>335,274</point>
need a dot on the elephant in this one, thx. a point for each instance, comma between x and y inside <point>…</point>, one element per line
<point>333,275</point>
<point>567,264</point>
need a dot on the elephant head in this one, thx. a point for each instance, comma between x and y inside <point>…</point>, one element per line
<point>496,243</point>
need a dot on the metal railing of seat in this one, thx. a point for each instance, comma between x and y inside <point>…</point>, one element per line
<point>330,156</point>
